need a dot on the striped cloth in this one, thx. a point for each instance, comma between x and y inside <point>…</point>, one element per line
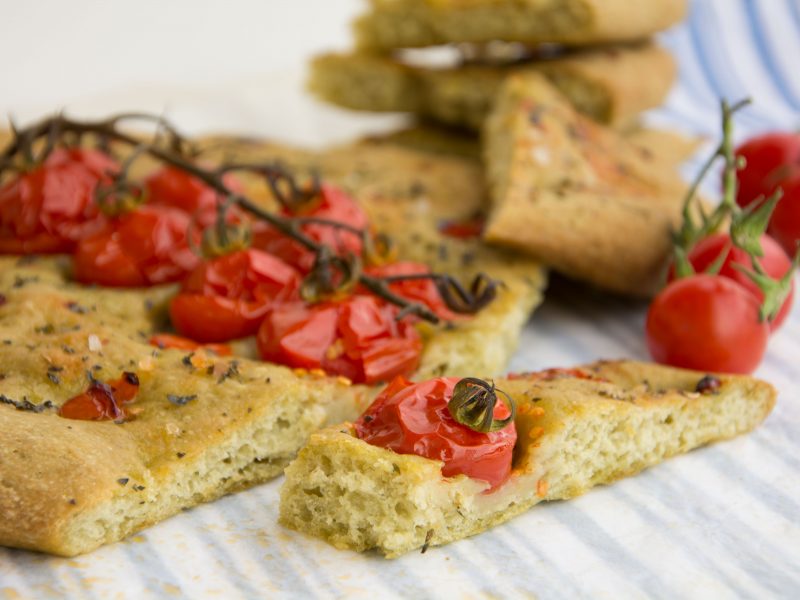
<point>721,522</point>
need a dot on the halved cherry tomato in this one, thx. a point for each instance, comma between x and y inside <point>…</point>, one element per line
<point>414,419</point>
<point>775,263</point>
<point>423,291</point>
<point>769,159</point>
<point>227,297</point>
<point>168,340</point>
<point>171,186</point>
<point>146,246</point>
<point>707,323</point>
<point>102,401</point>
<point>49,209</point>
<point>333,205</point>
<point>359,338</point>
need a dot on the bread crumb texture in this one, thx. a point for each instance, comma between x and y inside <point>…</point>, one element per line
<point>573,434</point>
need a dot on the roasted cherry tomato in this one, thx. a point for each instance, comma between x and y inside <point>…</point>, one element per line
<point>423,291</point>
<point>102,401</point>
<point>146,246</point>
<point>227,297</point>
<point>784,225</point>
<point>333,205</point>
<point>359,338</point>
<point>170,186</point>
<point>48,209</point>
<point>168,340</point>
<point>775,263</point>
<point>414,419</point>
<point>769,159</point>
<point>707,323</point>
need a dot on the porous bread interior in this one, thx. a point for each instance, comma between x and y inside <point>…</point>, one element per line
<point>361,497</point>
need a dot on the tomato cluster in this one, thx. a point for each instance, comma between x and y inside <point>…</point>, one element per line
<point>713,319</point>
<point>255,291</point>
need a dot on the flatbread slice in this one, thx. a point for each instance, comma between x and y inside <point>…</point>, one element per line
<point>202,426</point>
<point>573,433</point>
<point>391,24</point>
<point>578,196</point>
<point>605,84</point>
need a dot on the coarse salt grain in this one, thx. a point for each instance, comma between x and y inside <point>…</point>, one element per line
<point>95,345</point>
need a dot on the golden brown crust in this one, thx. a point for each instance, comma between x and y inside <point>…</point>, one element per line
<point>394,24</point>
<point>604,83</point>
<point>576,195</point>
<point>573,434</point>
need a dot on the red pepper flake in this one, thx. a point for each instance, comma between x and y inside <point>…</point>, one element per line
<point>557,373</point>
<point>102,401</point>
<point>3,299</point>
<point>471,228</point>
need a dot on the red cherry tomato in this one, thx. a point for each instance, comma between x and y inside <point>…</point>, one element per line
<point>359,338</point>
<point>769,159</point>
<point>226,298</point>
<point>333,205</point>
<point>50,208</point>
<point>706,323</point>
<point>414,419</point>
<point>423,291</point>
<point>775,263</point>
<point>144,247</point>
<point>168,340</point>
<point>784,225</point>
<point>170,186</point>
<point>102,401</point>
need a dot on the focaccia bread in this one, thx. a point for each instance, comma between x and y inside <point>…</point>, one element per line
<point>391,24</point>
<point>576,195</point>
<point>573,434</point>
<point>605,84</point>
<point>202,426</point>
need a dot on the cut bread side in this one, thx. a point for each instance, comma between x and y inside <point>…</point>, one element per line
<point>583,199</point>
<point>391,24</point>
<point>604,84</point>
<point>574,434</point>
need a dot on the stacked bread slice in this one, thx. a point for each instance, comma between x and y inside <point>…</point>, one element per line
<point>567,182</point>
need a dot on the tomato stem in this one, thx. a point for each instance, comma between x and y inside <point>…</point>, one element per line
<point>473,404</point>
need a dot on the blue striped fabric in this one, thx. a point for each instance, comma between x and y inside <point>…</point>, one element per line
<point>721,522</point>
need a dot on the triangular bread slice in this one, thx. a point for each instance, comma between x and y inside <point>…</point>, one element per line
<point>605,84</point>
<point>574,434</point>
<point>391,24</point>
<point>578,196</point>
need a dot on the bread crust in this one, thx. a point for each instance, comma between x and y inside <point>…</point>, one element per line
<point>578,196</point>
<point>573,434</point>
<point>604,84</point>
<point>391,24</point>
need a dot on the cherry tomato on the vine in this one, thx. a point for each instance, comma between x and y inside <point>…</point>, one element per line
<point>774,262</point>
<point>332,205</point>
<point>769,159</point>
<point>707,323</point>
<point>50,208</point>
<point>414,419</point>
<point>226,298</point>
<point>359,338</point>
<point>784,225</point>
<point>171,186</point>
<point>146,246</point>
